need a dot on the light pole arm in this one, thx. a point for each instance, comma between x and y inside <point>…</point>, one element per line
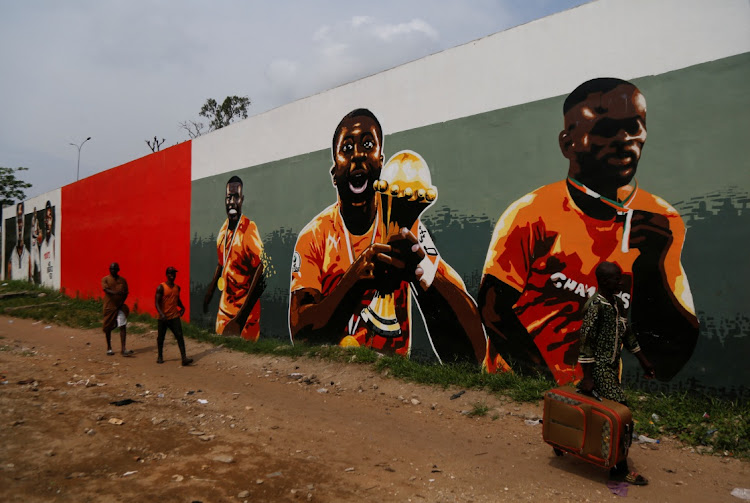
<point>78,167</point>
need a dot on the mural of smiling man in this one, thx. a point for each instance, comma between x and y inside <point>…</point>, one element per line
<point>47,248</point>
<point>43,246</point>
<point>239,272</point>
<point>540,267</point>
<point>346,254</point>
<point>19,260</point>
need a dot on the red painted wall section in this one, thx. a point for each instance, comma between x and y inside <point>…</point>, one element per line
<point>138,215</point>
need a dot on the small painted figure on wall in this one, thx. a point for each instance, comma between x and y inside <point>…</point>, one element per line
<point>19,261</point>
<point>239,272</point>
<point>43,245</point>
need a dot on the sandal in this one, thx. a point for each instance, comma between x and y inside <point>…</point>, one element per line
<point>128,352</point>
<point>110,352</point>
<point>636,479</point>
<point>633,478</point>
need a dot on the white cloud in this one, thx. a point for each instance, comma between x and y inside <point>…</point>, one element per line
<point>355,48</point>
<point>321,33</point>
<point>334,51</point>
<point>391,32</point>
<point>358,21</point>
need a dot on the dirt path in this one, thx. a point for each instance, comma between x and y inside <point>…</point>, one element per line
<point>277,429</point>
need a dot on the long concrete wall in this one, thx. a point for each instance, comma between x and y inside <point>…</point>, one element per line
<point>485,117</point>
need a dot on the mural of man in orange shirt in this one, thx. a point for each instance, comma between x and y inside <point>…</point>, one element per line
<point>340,258</point>
<point>540,267</point>
<point>239,272</point>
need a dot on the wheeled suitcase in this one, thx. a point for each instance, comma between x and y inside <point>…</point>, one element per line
<point>595,429</point>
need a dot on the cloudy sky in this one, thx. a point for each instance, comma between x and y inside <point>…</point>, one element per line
<point>122,71</point>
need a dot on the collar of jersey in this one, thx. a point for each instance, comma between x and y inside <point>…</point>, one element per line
<point>621,206</point>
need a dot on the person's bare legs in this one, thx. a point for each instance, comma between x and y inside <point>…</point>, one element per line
<point>123,335</point>
<point>108,335</point>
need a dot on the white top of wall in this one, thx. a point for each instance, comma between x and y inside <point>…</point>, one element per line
<point>545,58</point>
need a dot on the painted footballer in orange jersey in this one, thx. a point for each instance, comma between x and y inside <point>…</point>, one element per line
<point>547,249</point>
<point>540,267</point>
<point>326,249</point>
<point>342,257</point>
<point>239,273</point>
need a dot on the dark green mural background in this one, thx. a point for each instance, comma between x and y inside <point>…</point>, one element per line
<point>694,157</point>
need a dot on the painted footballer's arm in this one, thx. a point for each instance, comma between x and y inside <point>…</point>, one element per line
<point>257,285</point>
<point>666,330</point>
<point>321,320</point>
<point>505,331</point>
<point>211,288</point>
<point>452,317</point>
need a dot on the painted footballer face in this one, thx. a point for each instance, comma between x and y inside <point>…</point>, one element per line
<point>604,137</point>
<point>233,203</point>
<point>358,159</point>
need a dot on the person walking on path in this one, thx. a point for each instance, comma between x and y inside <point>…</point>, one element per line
<point>115,310</point>
<point>170,309</point>
<point>604,331</point>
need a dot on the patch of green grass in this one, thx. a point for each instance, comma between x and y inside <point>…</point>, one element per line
<point>478,409</point>
<point>521,389</point>
<point>727,427</point>
<point>699,420</point>
<point>49,306</point>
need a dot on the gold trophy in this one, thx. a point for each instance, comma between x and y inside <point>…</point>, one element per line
<point>405,191</point>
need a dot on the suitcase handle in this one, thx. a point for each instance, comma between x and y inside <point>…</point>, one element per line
<point>593,393</point>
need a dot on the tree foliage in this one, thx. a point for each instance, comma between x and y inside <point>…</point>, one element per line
<point>11,188</point>
<point>232,109</point>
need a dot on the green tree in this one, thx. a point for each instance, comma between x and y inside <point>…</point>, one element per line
<point>232,109</point>
<point>11,188</point>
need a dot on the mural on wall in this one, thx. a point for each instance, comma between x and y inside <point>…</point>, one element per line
<point>31,252</point>
<point>540,265</point>
<point>43,246</point>
<point>357,264</point>
<point>17,251</point>
<point>239,273</point>
<point>706,218</point>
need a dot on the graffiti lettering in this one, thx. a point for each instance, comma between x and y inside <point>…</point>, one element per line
<point>562,282</point>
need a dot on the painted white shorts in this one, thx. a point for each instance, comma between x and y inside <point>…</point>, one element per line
<point>122,320</point>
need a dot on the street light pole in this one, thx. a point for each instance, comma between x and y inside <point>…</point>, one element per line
<point>78,169</point>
